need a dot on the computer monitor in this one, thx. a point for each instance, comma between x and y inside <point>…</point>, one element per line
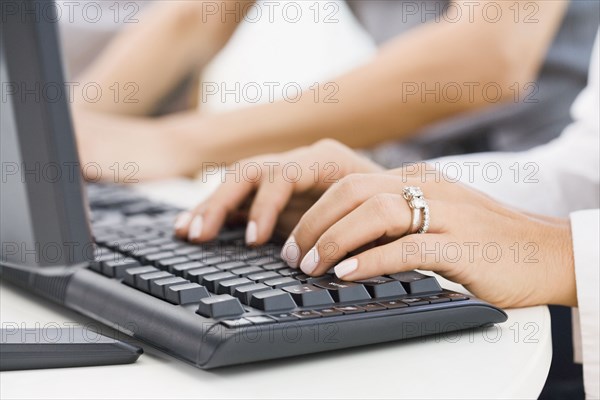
<point>43,221</point>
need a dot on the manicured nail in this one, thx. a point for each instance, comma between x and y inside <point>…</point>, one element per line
<point>346,267</point>
<point>251,233</point>
<point>290,253</point>
<point>195,228</point>
<point>183,220</point>
<point>310,261</point>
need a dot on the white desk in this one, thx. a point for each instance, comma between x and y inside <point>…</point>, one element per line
<point>508,361</point>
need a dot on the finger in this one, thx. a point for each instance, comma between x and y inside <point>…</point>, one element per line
<point>204,222</point>
<point>384,215</point>
<point>337,202</point>
<point>405,254</point>
<point>270,200</point>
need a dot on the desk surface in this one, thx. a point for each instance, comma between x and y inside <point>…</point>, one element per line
<point>506,361</point>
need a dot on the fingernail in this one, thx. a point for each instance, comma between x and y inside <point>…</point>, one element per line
<point>346,267</point>
<point>183,220</point>
<point>310,261</point>
<point>290,253</point>
<point>251,233</point>
<point>195,228</point>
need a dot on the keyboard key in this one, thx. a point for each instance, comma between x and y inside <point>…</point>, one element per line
<point>261,261</point>
<point>415,301</point>
<point>373,307</point>
<point>196,275</point>
<point>159,241</point>
<point>106,256</point>
<point>226,266</point>
<point>244,293</point>
<point>247,254</point>
<point>186,293</point>
<point>260,320</point>
<point>153,258</point>
<point>393,304</point>
<point>307,314</point>
<point>284,317</point>
<point>157,286</point>
<point>142,281</point>
<point>116,269</point>
<point>280,282</point>
<point>180,269</point>
<point>236,323</point>
<point>148,236</point>
<point>309,295</point>
<point>437,299</point>
<point>171,247</point>
<point>288,272</point>
<point>455,296</point>
<point>380,286</point>
<point>185,250</point>
<point>343,291</point>
<point>211,280</point>
<point>247,271</point>
<point>263,276</point>
<point>305,278</point>
<point>130,247</point>
<point>131,274</point>
<point>272,300</point>
<point>220,306</point>
<point>416,283</point>
<point>275,266</point>
<point>144,252</point>
<point>330,312</point>
<point>350,309</point>
<point>208,258</point>
<point>228,286</point>
<point>167,263</point>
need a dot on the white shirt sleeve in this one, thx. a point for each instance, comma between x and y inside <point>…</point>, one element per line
<point>585,227</point>
<point>554,179</point>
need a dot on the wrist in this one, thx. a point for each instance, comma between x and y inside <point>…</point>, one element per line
<point>560,265</point>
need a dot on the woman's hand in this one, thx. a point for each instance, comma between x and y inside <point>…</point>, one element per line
<point>349,214</point>
<point>129,149</point>
<point>272,192</point>
<point>501,255</point>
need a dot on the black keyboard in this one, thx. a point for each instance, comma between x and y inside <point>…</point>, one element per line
<point>221,303</point>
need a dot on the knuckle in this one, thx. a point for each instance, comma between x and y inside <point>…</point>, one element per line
<point>388,208</point>
<point>350,186</point>
<point>200,208</point>
<point>328,144</point>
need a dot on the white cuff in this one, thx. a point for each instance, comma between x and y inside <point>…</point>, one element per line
<point>585,228</point>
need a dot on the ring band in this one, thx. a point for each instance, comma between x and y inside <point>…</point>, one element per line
<point>420,210</point>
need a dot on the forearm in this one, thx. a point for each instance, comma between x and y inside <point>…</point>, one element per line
<point>372,103</point>
<point>148,59</point>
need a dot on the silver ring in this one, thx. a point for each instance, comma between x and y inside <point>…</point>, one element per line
<point>420,210</point>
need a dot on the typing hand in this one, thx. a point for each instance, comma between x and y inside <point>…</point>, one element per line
<point>124,149</point>
<point>501,255</point>
<point>272,192</point>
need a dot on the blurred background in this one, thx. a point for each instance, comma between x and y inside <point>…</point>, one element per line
<point>268,46</point>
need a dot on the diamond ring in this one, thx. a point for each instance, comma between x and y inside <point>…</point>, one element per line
<point>420,210</point>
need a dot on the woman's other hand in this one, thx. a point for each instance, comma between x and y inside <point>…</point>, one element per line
<point>272,191</point>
